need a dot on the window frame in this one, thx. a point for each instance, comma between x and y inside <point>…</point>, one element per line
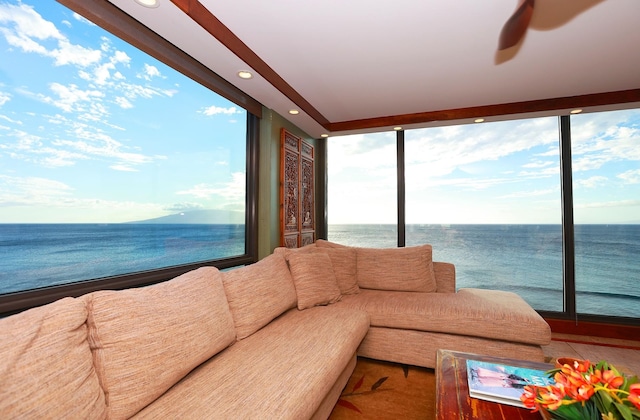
<point>118,23</point>
<point>568,320</point>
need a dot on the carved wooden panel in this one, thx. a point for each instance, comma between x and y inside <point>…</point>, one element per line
<point>297,217</point>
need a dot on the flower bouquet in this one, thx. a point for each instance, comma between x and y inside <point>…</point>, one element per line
<point>586,391</point>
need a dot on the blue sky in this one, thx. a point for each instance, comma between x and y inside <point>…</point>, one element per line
<point>500,172</point>
<point>92,130</point>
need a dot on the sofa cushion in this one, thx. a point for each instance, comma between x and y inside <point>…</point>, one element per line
<point>145,340</point>
<point>343,261</point>
<point>490,314</point>
<point>258,293</point>
<point>313,278</point>
<point>46,366</point>
<point>323,243</point>
<point>407,269</point>
<point>283,371</point>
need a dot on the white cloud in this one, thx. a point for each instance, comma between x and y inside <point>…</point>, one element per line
<point>32,194</point>
<point>97,144</point>
<point>123,168</point>
<point>608,204</point>
<point>630,177</point>
<point>233,191</point>
<point>68,53</point>
<point>534,193</point>
<point>120,57</point>
<point>217,110</point>
<point>83,142</point>
<point>4,98</point>
<point>71,98</point>
<point>182,207</point>
<point>123,103</point>
<point>26,29</point>
<point>149,72</point>
<point>601,138</point>
<point>537,164</point>
<point>11,120</point>
<point>31,191</point>
<point>82,19</point>
<point>592,182</point>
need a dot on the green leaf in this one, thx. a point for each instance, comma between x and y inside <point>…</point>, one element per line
<point>576,411</point>
<point>624,411</point>
<point>603,401</point>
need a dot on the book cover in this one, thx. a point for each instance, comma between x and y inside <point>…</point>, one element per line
<point>502,383</point>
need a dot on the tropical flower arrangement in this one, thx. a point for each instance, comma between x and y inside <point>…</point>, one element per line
<point>586,391</point>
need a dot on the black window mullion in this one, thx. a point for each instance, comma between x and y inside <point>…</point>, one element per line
<point>568,243</point>
<point>401,189</point>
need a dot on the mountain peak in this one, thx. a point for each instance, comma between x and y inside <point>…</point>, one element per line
<point>202,217</point>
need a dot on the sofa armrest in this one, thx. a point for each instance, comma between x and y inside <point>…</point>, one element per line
<point>445,277</point>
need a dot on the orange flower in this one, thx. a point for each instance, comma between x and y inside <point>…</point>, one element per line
<point>551,396</point>
<point>529,395</point>
<point>576,386</point>
<point>609,377</point>
<point>634,395</point>
<point>583,388</point>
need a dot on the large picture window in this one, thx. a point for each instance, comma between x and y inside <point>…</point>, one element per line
<point>362,191</point>
<point>111,162</point>
<point>487,197</point>
<point>606,191</point>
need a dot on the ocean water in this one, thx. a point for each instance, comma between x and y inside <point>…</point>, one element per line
<point>38,255</point>
<point>527,259</point>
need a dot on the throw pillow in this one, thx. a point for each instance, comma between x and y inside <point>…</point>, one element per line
<point>314,279</point>
<point>343,261</point>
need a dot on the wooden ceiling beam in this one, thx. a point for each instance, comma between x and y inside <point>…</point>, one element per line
<point>203,17</point>
<point>527,107</point>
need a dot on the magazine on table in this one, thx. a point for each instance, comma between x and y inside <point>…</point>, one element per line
<point>502,383</point>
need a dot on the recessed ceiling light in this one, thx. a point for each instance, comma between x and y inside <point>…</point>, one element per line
<point>148,3</point>
<point>245,74</point>
<point>294,112</point>
<point>479,120</point>
<point>576,111</point>
<point>324,136</point>
<point>397,128</point>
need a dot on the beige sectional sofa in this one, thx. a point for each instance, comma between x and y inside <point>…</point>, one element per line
<point>276,339</point>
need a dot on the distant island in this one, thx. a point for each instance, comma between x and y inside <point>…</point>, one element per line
<point>226,217</point>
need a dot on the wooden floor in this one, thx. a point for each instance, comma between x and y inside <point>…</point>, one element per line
<point>623,354</point>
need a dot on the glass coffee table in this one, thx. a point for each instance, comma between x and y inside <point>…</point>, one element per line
<point>452,392</point>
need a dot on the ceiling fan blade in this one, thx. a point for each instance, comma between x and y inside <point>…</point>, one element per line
<point>516,26</point>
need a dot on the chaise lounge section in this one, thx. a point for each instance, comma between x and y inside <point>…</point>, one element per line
<point>415,310</point>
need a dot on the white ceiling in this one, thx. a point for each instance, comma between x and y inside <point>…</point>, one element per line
<point>358,59</point>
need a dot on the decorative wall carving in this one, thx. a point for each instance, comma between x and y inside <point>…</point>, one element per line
<point>297,216</point>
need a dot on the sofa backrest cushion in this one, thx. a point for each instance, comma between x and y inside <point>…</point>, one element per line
<point>258,293</point>
<point>343,260</point>
<point>145,340</point>
<point>46,366</point>
<point>314,279</point>
<point>407,269</point>
<point>344,265</point>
